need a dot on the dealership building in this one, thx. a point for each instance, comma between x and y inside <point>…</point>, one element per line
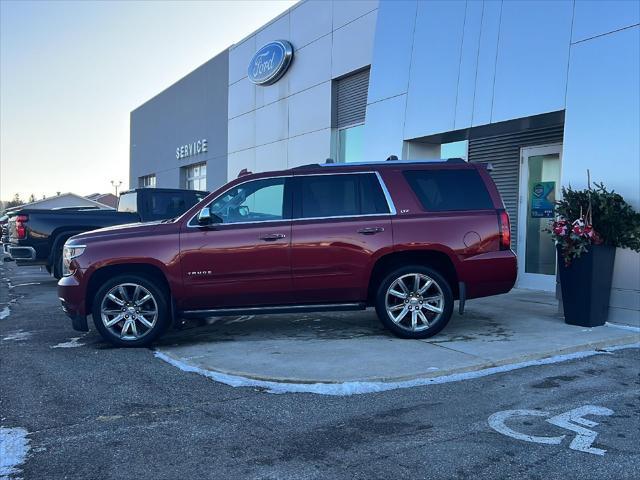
<point>541,90</point>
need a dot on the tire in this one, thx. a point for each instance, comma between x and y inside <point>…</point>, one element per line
<point>56,268</point>
<point>141,329</point>
<point>396,312</point>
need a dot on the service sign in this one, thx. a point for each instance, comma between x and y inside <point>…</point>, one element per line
<point>190,149</point>
<point>270,62</point>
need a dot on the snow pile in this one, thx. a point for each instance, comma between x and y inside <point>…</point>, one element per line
<point>4,313</point>
<point>14,446</point>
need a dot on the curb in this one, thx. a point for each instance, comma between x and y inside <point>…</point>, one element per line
<point>349,387</point>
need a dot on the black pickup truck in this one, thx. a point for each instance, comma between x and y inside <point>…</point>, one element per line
<point>36,237</point>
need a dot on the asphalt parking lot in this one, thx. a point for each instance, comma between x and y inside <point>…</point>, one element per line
<point>82,409</point>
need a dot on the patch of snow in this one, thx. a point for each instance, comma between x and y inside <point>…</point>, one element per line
<point>631,328</point>
<point>356,388</point>
<point>11,287</point>
<point>4,313</point>
<point>14,446</point>
<point>17,336</point>
<point>72,343</point>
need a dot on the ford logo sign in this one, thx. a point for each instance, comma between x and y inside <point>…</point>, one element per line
<point>270,62</point>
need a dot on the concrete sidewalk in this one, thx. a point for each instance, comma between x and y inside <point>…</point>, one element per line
<point>353,347</point>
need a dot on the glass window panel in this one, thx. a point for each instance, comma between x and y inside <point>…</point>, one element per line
<point>449,190</point>
<point>255,201</point>
<point>351,144</point>
<point>329,196</point>
<point>165,205</point>
<point>196,177</point>
<point>454,149</point>
<point>372,198</point>
<point>148,181</point>
<point>128,202</point>
<point>544,178</point>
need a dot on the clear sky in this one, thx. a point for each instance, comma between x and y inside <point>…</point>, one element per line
<point>70,73</point>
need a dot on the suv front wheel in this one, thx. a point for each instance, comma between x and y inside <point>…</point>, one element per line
<point>414,302</point>
<point>130,311</point>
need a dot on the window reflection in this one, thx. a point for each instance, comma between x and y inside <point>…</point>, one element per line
<point>455,149</point>
<point>351,144</point>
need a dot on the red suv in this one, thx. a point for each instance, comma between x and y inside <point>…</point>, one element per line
<point>408,238</point>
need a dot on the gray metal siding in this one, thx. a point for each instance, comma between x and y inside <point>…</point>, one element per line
<point>351,98</point>
<point>193,108</point>
<point>503,152</point>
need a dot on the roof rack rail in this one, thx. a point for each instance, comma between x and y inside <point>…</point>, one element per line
<point>309,165</point>
<point>381,163</point>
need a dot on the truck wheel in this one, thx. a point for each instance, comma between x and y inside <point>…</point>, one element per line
<point>131,311</point>
<point>414,302</point>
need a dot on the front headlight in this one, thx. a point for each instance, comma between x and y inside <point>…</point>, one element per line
<point>69,253</point>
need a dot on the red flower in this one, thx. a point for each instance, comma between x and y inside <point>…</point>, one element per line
<point>560,230</point>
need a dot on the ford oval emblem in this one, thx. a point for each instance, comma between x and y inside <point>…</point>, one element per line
<point>270,62</point>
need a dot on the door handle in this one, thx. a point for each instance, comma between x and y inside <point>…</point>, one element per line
<point>272,237</point>
<point>370,230</point>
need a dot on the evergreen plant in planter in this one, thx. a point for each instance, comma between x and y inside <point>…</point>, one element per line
<point>590,224</point>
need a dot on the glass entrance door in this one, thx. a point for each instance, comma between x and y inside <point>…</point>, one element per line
<point>539,188</point>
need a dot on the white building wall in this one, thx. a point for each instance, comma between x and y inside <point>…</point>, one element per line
<point>441,66</point>
<point>533,54</point>
<point>465,63</point>
<point>289,123</point>
<point>602,134</point>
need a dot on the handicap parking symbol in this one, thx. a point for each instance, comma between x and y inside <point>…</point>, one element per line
<point>573,420</point>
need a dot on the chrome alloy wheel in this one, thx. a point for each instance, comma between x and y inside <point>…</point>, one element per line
<point>414,302</point>
<point>129,311</point>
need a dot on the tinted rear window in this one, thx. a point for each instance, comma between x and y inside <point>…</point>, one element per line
<point>192,198</point>
<point>449,190</point>
<point>371,196</point>
<point>341,195</point>
<point>161,205</point>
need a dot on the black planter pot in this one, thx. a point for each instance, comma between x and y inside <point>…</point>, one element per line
<point>586,286</point>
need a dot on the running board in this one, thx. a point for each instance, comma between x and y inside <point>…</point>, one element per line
<point>221,312</point>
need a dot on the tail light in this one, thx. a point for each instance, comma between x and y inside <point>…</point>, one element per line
<point>21,228</point>
<point>504,228</point>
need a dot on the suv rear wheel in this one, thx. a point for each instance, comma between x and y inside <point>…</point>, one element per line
<point>130,311</point>
<point>414,302</point>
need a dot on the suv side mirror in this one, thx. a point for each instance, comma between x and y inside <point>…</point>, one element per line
<point>205,217</point>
